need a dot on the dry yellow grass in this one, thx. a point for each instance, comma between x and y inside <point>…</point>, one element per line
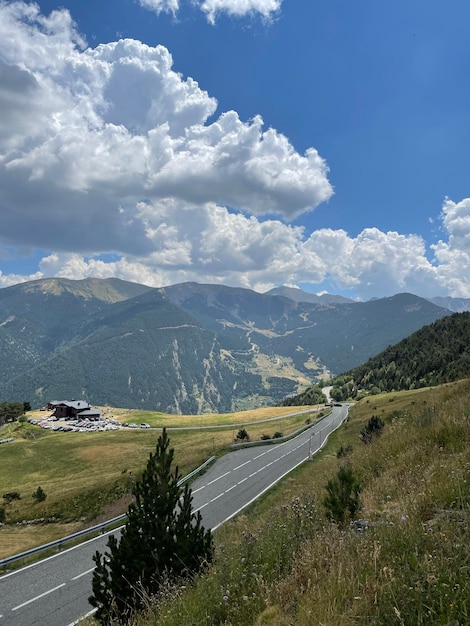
<point>160,420</point>
<point>83,474</point>
<point>16,539</point>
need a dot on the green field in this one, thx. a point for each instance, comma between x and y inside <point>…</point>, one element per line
<point>87,476</point>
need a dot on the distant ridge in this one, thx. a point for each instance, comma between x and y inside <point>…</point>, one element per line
<point>436,354</point>
<point>106,290</point>
<point>298,295</point>
<point>187,348</point>
<point>456,305</point>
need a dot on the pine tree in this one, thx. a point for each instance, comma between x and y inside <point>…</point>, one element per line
<point>162,539</point>
<point>39,495</point>
<point>342,500</point>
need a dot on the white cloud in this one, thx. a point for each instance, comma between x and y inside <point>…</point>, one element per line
<point>210,244</point>
<point>266,9</point>
<point>108,149</point>
<point>452,257</point>
<point>239,8</point>
<point>161,6</point>
<point>6,280</point>
<point>88,134</point>
<point>374,263</point>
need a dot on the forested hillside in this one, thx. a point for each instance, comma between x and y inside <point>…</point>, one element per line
<point>186,348</point>
<point>435,354</point>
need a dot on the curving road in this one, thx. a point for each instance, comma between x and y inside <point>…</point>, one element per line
<point>54,591</point>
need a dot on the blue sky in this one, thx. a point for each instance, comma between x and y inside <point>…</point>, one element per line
<point>250,143</point>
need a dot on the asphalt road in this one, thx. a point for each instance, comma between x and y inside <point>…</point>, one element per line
<point>54,591</point>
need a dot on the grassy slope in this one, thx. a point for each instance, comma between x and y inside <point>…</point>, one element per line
<point>86,476</point>
<point>283,563</point>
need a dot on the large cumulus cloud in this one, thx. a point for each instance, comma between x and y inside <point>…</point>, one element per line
<point>89,133</point>
<point>239,250</point>
<point>109,149</point>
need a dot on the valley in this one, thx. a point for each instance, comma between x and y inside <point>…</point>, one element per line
<point>187,348</point>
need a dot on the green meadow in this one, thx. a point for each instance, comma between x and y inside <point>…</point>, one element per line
<point>87,477</point>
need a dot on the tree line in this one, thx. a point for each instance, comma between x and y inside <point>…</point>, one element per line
<point>436,354</point>
<point>11,411</point>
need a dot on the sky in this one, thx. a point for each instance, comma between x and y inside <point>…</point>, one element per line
<point>323,144</point>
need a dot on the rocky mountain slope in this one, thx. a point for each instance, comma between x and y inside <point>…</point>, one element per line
<point>186,348</point>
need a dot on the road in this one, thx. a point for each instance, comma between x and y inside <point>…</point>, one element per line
<point>54,591</point>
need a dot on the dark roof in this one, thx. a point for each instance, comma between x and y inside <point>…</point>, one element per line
<point>74,404</point>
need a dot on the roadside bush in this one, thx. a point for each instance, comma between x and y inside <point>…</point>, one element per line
<point>3,515</point>
<point>277,434</point>
<point>373,429</point>
<point>342,500</point>
<point>344,451</point>
<point>243,435</point>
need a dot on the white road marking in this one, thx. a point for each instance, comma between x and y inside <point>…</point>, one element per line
<point>46,593</point>
<point>218,478</point>
<point>230,488</point>
<point>238,466</point>
<point>58,554</point>
<point>259,494</point>
<point>262,454</point>
<point>83,574</point>
<point>216,497</point>
<point>92,612</point>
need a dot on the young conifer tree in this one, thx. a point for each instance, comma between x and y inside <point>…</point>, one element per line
<point>162,539</point>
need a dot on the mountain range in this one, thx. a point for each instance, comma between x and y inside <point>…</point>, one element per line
<point>186,348</point>
<point>433,355</point>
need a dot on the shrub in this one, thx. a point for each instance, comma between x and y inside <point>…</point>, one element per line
<point>373,429</point>
<point>277,434</point>
<point>10,496</point>
<point>3,515</point>
<point>344,451</point>
<point>243,435</point>
<point>39,495</point>
<point>342,500</point>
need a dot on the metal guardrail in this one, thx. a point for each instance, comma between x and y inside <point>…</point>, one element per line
<point>262,442</point>
<point>58,543</point>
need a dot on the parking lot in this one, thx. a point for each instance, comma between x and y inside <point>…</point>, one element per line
<point>76,425</point>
